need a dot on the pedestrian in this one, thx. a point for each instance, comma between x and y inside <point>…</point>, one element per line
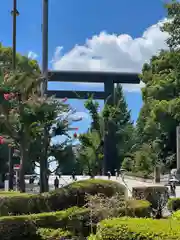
<point>116,173</point>
<point>56,183</point>
<point>109,175</point>
<point>73,176</point>
<point>174,188</point>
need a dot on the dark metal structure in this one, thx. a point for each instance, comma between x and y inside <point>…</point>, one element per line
<point>14,14</point>
<point>108,78</point>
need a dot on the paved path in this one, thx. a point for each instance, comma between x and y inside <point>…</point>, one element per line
<point>64,180</point>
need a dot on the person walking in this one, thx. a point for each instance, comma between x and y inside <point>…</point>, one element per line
<point>109,175</point>
<point>73,176</point>
<point>116,174</point>
<point>56,183</point>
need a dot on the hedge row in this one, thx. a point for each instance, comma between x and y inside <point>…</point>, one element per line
<point>154,194</point>
<point>26,226</point>
<point>68,196</point>
<point>174,204</point>
<point>136,229</point>
<point>75,219</point>
<point>54,234</point>
<point>176,215</point>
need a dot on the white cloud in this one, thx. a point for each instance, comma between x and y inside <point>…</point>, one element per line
<point>32,55</point>
<point>83,115</point>
<point>112,52</point>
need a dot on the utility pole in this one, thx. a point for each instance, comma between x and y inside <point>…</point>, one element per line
<point>44,46</point>
<point>43,161</point>
<point>14,14</point>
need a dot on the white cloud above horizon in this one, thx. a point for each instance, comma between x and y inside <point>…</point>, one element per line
<point>32,55</point>
<point>113,52</point>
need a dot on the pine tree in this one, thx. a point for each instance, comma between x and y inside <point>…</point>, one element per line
<point>120,129</point>
<point>114,121</point>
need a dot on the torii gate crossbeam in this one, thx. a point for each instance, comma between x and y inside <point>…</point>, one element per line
<point>108,78</point>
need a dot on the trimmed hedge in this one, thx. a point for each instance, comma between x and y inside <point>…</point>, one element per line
<point>153,194</point>
<point>26,227</point>
<point>174,204</point>
<point>137,208</point>
<point>137,229</point>
<point>68,196</point>
<point>75,219</point>
<point>54,234</point>
<point>176,215</point>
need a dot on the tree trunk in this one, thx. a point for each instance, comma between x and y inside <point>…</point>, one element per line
<point>43,175</point>
<point>11,172</point>
<point>23,151</point>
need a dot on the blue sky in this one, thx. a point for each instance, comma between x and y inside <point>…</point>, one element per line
<point>97,34</point>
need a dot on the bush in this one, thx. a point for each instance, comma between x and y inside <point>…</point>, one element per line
<point>136,229</point>
<point>174,204</point>
<point>25,226</point>
<point>137,208</point>
<point>76,220</point>
<point>53,234</point>
<point>156,195</point>
<point>68,196</point>
<point>102,207</point>
<point>176,215</point>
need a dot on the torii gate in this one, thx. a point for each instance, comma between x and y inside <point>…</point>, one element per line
<point>108,78</point>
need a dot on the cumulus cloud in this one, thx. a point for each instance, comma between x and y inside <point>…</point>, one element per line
<point>113,52</point>
<point>32,55</point>
<point>83,115</point>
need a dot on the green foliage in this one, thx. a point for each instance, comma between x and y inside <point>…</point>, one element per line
<point>70,195</point>
<point>174,204</point>
<point>91,155</point>
<point>172,26</point>
<point>17,227</point>
<point>135,229</point>
<point>159,115</point>
<point>72,221</point>
<point>156,195</point>
<point>53,234</point>
<point>23,63</point>
<point>128,164</point>
<point>114,121</point>
<point>145,159</point>
<point>176,215</point>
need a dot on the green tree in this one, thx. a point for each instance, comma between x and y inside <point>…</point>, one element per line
<point>159,115</point>
<point>113,121</point>
<point>15,106</point>
<point>23,64</point>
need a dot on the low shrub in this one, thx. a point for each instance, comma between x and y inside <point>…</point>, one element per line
<point>174,204</point>
<point>176,215</point>
<point>156,195</point>
<point>76,220</point>
<point>68,196</point>
<point>136,229</point>
<point>26,226</point>
<point>102,207</point>
<point>54,234</point>
<point>137,208</point>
